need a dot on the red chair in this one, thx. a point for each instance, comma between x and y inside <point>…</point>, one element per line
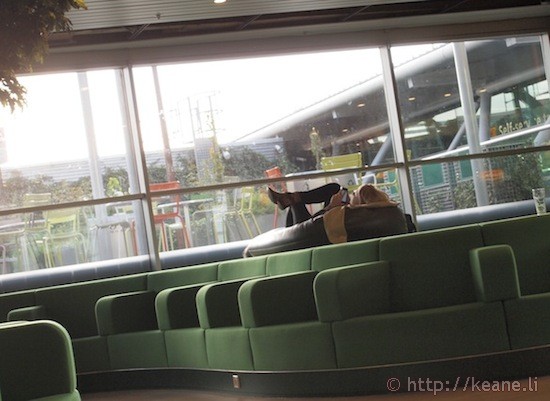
<point>172,213</point>
<point>276,172</point>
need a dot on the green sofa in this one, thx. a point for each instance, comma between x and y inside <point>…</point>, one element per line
<point>280,315</point>
<point>418,303</point>
<point>432,295</point>
<point>73,306</point>
<point>528,314</point>
<point>128,321</point>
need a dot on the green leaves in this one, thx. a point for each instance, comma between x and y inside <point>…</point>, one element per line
<point>24,29</point>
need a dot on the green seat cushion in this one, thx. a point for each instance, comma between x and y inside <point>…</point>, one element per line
<point>452,331</point>
<point>186,348</point>
<point>91,354</point>
<point>145,349</point>
<point>528,320</point>
<point>297,346</point>
<point>228,348</point>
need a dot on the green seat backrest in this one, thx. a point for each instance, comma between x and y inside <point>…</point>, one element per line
<point>158,281</point>
<point>242,268</point>
<point>289,262</point>
<point>529,238</point>
<point>15,300</point>
<point>431,269</point>
<point>351,291</point>
<point>277,300</point>
<point>350,253</point>
<point>73,305</point>
<point>217,304</point>
<point>37,361</point>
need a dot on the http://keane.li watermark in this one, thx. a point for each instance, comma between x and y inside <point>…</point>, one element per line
<point>463,384</point>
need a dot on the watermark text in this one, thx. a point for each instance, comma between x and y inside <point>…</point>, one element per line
<point>464,384</point>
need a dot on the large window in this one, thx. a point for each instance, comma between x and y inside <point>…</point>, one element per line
<point>469,98</point>
<point>232,121</point>
<point>214,134</point>
<point>69,145</point>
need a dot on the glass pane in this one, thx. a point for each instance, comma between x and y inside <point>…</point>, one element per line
<point>13,244</point>
<point>70,140</point>
<point>510,96</point>
<point>449,186</point>
<point>60,237</point>
<point>210,122</point>
<point>211,217</point>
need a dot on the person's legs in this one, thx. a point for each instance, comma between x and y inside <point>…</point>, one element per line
<point>320,194</point>
<point>316,195</point>
<point>297,201</point>
<point>298,212</point>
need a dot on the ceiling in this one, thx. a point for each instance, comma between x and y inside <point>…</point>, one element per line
<point>108,21</point>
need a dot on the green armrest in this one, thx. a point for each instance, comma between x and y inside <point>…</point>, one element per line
<point>495,273</point>
<point>176,307</point>
<point>126,313</point>
<point>73,396</point>
<point>37,362</point>
<point>37,312</point>
<point>351,291</point>
<point>278,300</point>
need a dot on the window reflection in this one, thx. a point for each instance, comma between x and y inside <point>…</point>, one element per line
<point>440,187</point>
<point>240,117</point>
<point>510,93</point>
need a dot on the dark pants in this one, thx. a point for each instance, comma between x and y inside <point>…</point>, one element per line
<point>298,212</point>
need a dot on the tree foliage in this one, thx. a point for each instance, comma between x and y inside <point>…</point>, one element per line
<point>24,29</point>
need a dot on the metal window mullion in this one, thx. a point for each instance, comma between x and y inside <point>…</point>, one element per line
<point>141,169</point>
<point>397,132</point>
<point>472,132</point>
<point>93,157</point>
<point>545,48</point>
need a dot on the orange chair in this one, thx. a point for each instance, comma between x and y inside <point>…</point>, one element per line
<point>276,172</point>
<point>172,214</point>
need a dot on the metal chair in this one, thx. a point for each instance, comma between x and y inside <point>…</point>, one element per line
<point>243,202</point>
<point>352,160</point>
<point>276,172</point>
<point>171,219</point>
<point>35,224</point>
<point>62,230</point>
<point>13,249</point>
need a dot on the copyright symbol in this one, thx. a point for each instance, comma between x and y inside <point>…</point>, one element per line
<point>393,384</point>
